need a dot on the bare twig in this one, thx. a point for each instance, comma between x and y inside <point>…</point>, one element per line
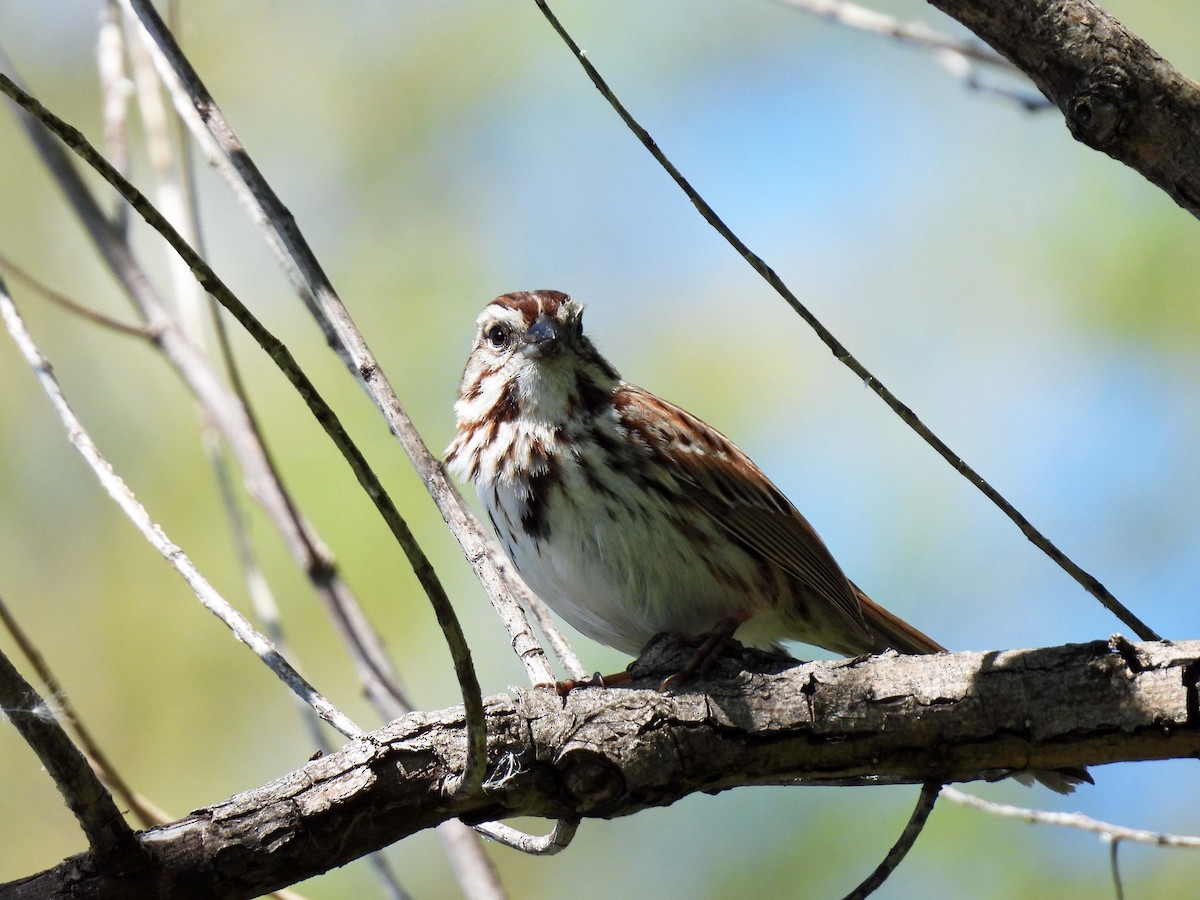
<point>1091,584</point>
<point>1106,830</point>
<point>554,636</point>
<point>67,303</point>
<point>176,201</point>
<point>1115,867</point>
<point>108,834</point>
<point>119,491</point>
<point>861,18</point>
<point>476,873</point>
<point>263,600</point>
<point>170,197</point>
<point>958,56</point>
<point>908,837</point>
<point>114,88</point>
<point>364,366</point>
<point>535,845</point>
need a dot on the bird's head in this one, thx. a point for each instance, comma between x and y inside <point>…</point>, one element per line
<point>532,359</point>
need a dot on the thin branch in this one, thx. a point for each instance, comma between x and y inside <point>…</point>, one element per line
<point>197,107</point>
<point>387,877</point>
<point>177,201</point>
<point>170,198</point>
<point>263,600</point>
<point>556,841</point>
<point>119,491</point>
<point>916,824</point>
<point>546,624</point>
<point>957,55</point>
<point>114,89</point>
<point>861,18</point>
<point>371,661</point>
<point>1115,867</point>
<point>473,867</point>
<point>1106,830</point>
<point>1089,582</point>
<point>70,305</point>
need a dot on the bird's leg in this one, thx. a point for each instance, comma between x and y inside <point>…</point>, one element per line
<point>597,680</point>
<point>708,647</point>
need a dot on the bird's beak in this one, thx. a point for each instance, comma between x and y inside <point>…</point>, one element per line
<point>544,337</point>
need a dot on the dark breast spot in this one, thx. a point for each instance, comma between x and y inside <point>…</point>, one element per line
<point>506,407</point>
<point>542,485</point>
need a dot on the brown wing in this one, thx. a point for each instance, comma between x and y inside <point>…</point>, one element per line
<point>740,498</point>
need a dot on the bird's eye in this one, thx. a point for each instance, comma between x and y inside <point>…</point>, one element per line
<point>497,336</point>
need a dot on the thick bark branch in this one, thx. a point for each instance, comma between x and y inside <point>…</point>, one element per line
<point>608,753</point>
<point>1116,94</point>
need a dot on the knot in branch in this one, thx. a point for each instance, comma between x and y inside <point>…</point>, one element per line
<point>591,780</point>
<point>1096,108</point>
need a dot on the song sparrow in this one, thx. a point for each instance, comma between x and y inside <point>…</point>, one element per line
<point>628,515</point>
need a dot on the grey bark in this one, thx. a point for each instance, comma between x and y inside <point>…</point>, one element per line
<point>612,752</point>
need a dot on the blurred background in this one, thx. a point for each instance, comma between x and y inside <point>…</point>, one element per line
<point>1033,301</point>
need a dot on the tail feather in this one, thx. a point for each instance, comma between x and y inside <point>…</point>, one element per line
<point>891,632</point>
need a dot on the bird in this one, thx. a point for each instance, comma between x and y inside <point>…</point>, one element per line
<point>630,517</point>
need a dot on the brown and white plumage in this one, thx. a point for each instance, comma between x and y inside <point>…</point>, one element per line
<point>629,516</point>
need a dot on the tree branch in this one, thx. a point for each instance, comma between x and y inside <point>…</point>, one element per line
<point>607,753</point>
<point>1116,94</point>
